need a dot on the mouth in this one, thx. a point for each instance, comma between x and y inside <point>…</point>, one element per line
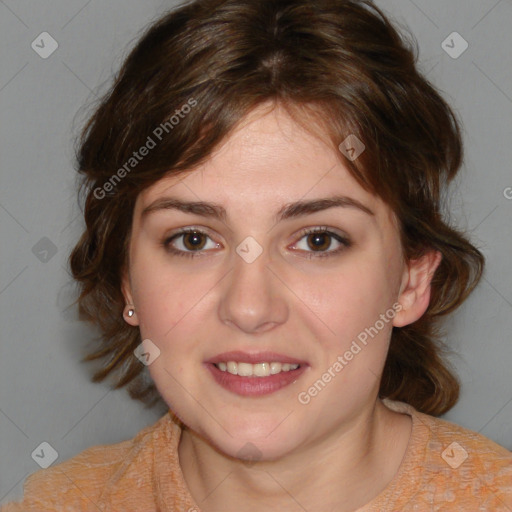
<point>255,374</point>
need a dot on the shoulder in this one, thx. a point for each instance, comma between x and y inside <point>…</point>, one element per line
<point>88,479</point>
<point>460,445</point>
<point>458,467</point>
<point>474,467</point>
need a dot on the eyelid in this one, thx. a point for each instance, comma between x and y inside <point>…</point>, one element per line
<point>188,229</point>
<point>321,229</point>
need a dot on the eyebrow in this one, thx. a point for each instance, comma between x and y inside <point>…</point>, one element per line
<point>288,211</point>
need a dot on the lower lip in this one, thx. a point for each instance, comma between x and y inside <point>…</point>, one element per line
<point>255,386</point>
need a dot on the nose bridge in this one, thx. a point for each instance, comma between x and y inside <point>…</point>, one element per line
<point>252,300</point>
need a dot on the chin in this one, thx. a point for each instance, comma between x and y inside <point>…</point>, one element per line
<point>254,445</point>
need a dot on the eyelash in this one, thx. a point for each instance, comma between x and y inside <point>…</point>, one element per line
<point>345,242</point>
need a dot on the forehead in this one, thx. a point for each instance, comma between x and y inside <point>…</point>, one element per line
<point>269,160</point>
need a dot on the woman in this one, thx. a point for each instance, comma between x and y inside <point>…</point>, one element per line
<point>264,236</point>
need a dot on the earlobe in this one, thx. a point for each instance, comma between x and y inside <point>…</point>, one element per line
<point>129,312</point>
<point>129,315</point>
<point>416,286</point>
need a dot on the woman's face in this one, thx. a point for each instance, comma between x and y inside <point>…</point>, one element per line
<point>292,262</point>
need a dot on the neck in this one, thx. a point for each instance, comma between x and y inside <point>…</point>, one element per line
<point>344,470</point>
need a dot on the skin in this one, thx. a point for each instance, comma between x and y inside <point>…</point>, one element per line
<point>344,443</point>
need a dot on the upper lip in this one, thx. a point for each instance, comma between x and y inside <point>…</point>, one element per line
<point>254,357</point>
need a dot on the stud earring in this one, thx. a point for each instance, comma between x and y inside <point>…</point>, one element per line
<point>129,310</point>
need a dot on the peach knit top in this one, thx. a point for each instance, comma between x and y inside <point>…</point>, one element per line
<point>445,468</point>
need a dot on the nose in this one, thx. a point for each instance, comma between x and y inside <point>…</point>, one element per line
<point>253,299</point>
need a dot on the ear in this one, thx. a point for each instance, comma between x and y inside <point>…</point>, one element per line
<point>415,289</point>
<point>126,289</point>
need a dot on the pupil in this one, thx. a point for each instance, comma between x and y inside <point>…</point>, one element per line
<point>193,241</point>
<point>319,241</point>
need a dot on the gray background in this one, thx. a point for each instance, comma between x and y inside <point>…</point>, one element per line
<point>45,392</point>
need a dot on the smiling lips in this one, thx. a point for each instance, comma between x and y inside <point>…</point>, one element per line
<point>254,374</point>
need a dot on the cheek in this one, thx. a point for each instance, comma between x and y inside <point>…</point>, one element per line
<point>355,345</point>
<point>351,300</point>
<point>164,297</point>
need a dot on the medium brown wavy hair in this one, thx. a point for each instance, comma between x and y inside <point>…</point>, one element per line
<point>340,68</point>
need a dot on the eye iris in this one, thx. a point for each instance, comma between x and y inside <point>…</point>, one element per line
<point>193,240</point>
<point>319,241</point>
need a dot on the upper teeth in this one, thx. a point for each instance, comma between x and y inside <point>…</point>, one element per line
<point>257,370</point>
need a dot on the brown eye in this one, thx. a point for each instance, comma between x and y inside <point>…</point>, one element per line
<point>189,242</point>
<point>319,241</point>
<point>194,241</point>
